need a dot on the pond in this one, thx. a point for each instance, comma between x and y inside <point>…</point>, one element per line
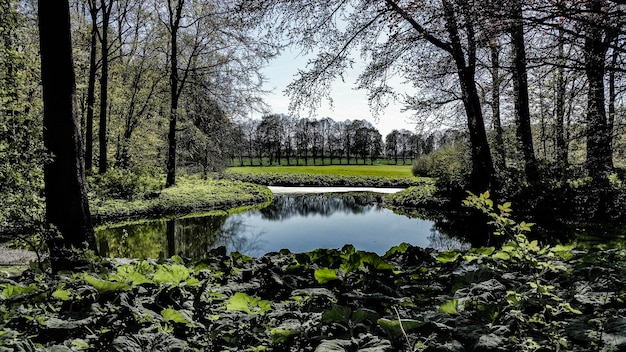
<point>298,222</point>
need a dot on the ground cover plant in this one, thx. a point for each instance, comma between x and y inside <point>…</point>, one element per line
<point>521,296</point>
<point>356,176</point>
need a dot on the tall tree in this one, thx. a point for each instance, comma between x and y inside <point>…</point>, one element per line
<point>599,34</point>
<point>67,207</point>
<point>173,23</point>
<point>106,7</point>
<point>520,88</point>
<point>94,9</point>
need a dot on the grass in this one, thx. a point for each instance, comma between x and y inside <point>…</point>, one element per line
<point>190,195</point>
<point>341,170</point>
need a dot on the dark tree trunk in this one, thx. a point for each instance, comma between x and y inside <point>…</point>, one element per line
<point>599,156</point>
<point>174,24</point>
<point>482,176</point>
<point>91,86</point>
<point>104,83</point>
<point>500,157</point>
<point>520,89</point>
<point>559,128</point>
<point>612,98</point>
<point>67,207</point>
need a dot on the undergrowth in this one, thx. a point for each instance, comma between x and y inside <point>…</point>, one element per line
<point>522,296</point>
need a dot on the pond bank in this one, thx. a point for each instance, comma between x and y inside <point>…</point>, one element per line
<point>188,196</point>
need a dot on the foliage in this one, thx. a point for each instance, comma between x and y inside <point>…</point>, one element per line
<point>415,196</point>
<point>520,297</point>
<point>125,184</point>
<point>450,164</point>
<point>21,149</point>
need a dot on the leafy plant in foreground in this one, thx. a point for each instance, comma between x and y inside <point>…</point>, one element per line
<point>538,296</point>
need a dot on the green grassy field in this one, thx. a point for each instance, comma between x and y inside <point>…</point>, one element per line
<point>342,170</point>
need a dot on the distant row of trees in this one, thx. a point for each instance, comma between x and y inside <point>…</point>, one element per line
<point>283,140</point>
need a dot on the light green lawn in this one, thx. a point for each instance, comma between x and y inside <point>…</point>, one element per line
<point>342,170</point>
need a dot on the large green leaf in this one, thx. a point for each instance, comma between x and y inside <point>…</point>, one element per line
<point>448,256</point>
<point>245,303</point>
<point>324,275</point>
<point>450,307</point>
<point>393,328</point>
<point>174,274</point>
<point>11,290</point>
<point>173,316</point>
<point>105,286</point>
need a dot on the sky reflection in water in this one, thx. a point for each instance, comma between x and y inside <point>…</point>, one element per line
<point>296,222</point>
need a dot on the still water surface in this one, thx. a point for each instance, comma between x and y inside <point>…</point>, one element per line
<point>295,222</point>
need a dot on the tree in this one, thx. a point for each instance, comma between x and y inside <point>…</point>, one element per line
<point>91,83</point>
<point>599,34</point>
<point>391,145</point>
<point>106,7</point>
<point>67,207</point>
<point>520,87</point>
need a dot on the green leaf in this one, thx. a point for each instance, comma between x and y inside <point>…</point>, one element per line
<point>16,290</point>
<point>174,274</point>
<point>173,316</point>
<point>501,255</point>
<point>337,314</point>
<point>393,326</point>
<point>105,286</point>
<point>448,256</point>
<point>450,307</point>
<point>401,248</point>
<point>282,335</point>
<point>324,275</point>
<point>245,303</point>
<point>64,295</point>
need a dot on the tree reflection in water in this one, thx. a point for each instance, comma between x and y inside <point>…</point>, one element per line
<point>296,222</point>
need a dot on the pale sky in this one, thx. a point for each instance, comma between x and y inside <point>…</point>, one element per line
<point>348,103</point>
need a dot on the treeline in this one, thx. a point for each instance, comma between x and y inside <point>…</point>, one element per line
<point>278,139</point>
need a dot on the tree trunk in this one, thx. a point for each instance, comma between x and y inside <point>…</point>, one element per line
<point>104,82</point>
<point>599,156</point>
<point>482,176</point>
<point>520,89</point>
<point>500,157</point>
<point>91,86</point>
<point>67,207</point>
<point>559,128</point>
<point>174,19</point>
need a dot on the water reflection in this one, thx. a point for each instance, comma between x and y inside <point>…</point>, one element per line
<point>296,222</point>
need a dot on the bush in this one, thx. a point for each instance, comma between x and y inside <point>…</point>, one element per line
<point>125,184</point>
<point>450,164</point>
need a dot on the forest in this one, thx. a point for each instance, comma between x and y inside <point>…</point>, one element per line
<point>131,109</point>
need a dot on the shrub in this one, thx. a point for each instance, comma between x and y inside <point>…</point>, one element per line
<point>125,184</point>
<point>450,164</point>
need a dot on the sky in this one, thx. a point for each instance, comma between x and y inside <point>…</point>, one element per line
<point>348,103</point>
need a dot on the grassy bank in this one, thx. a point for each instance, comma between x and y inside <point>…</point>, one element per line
<point>190,195</point>
<point>323,176</point>
<point>341,170</point>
